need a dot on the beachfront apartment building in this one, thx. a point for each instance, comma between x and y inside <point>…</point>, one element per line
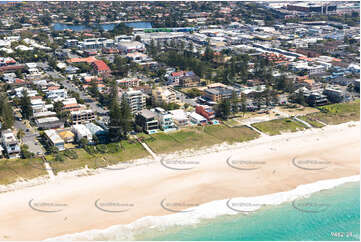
<point>147,120</point>
<point>161,95</point>
<point>195,118</point>
<point>10,144</point>
<point>165,119</point>
<point>136,100</point>
<point>82,116</point>
<point>180,117</point>
<point>206,112</point>
<point>54,140</point>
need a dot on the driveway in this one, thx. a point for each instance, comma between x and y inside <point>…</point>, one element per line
<point>30,137</point>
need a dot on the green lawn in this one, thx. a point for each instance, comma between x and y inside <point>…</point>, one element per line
<point>312,121</point>
<point>231,135</point>
<point>13,169</point>
<point>231,122</point>
<point>278,126</point>
<point>338,113</point>
<point>197,137</point>
<point>129,151</point>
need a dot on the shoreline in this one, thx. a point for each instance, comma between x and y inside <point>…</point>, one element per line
<point>85,171</point>
<point>211,179</point>
<point>210,210</point>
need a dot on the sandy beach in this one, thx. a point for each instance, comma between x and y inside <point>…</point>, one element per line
<point>263,166</point>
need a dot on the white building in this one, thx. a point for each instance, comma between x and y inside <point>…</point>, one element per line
<point>136,100</point>
<point>165,119</point>
<point>10,144</point>
<point>54,139</point>
<point>82,132</point>
<point>195,118</point>
<point>162,95</point>
<point>131,46</point>
<point>180,117</point>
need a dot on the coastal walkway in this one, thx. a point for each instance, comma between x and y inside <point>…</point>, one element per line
<point>147,148</point>
<point>302,121</point>
<point>48,168</point>
<point>258,131</point>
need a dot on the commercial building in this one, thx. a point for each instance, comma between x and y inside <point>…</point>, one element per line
<point>147,120</point>
<point>130,46</point>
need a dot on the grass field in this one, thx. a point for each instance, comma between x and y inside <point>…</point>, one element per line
<point>13,169</point>
<point>129,151</point>
<point>312,121</point>
<point>278,126</point>
<point>231,135</point>
<point>338,113</point>
<point>197,137</point>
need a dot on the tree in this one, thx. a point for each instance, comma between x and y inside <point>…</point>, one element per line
<point>114,114</point>
<point>83,142</point>
<point>126,117</point>
<point>138,38</point>
<point>20,134</point>
<point>234,102</point>
<point>46,20</point>
<point>93,89</point>
<point>243,104</point>
<point>25,103</point>
<point>223,109</point>
<point>6,113</point>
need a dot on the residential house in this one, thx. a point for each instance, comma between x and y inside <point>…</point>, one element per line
<point>53,139</point>
<point>100,68</point>
<point>195,118</point>
<point>180,117</point>
<point>10,144</point>
<point>67,136</point>
<point>81,131</point>
<point>206,112</point>
<point>189,80</point>
<point>147,120</point>
<point>165,119</point>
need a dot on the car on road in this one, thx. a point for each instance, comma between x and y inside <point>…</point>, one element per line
<point>36,143</point>
<point>27,130</point>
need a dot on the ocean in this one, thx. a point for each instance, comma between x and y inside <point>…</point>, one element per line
<point>324,210</point>
<point>337,217</point>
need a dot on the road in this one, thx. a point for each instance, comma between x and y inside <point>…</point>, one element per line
<point>83,95</point>
<point>30,138</point>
